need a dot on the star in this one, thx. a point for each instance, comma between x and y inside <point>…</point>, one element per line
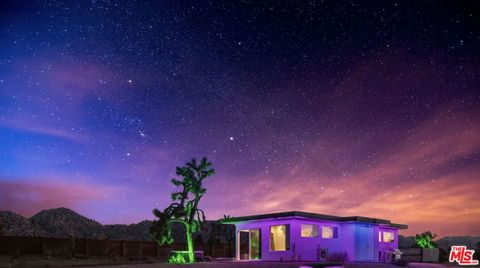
<point>309,108</point>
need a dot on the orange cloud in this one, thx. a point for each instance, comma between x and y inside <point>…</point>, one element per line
<point>27,198</point>
<point>417,182</point>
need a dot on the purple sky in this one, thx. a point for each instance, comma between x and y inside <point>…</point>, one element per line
<point>365,109</point>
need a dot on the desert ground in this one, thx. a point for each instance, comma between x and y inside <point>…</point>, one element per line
<point>91,263</point>
<point>274,265</point>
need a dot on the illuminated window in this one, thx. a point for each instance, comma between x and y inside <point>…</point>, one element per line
<point>280,237</point>
<point>379,236</point>
<point>329,232</point>
<point>309,230</point>
<point>388,237</point>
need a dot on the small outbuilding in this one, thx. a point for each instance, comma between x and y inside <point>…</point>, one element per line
<point>302,236</point>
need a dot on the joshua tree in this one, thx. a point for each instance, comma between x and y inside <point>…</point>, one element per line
<point>184,209</point>
<point>425,240</point>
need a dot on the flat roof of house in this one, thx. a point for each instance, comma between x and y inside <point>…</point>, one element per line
<point>308,215</point>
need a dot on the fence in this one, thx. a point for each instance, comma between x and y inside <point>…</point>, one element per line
<point>420,254</point>
<point>412,254</point>
<point>19,246</point>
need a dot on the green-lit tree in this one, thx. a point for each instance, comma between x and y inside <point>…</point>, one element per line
<point>425,240</point>
<point>184,209</point>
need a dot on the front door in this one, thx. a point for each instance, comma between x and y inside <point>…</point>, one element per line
<point>249,244</point>
<point>364,243</point>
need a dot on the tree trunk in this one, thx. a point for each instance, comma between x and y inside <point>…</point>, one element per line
<point>191,255</point>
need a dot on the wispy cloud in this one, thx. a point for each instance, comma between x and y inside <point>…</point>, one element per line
<point>43,129</point>
<point>70,81</point>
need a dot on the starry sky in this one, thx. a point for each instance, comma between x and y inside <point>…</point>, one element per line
<point>346,108</point>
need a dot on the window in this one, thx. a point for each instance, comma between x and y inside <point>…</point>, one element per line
<point>388,237</point>
<point>309,230</point>
<point>379,236</point>
<point>329,232</point>
<point>280,237</point>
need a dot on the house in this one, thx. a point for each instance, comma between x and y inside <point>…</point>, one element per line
<point>302,236</point>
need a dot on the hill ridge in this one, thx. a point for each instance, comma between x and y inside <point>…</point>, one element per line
<point>64,223</point>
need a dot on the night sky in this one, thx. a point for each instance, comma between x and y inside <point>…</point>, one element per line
<point>332,107</point>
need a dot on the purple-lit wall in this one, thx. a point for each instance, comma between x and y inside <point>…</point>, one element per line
<point>383,246</point>
<point>306,248</point>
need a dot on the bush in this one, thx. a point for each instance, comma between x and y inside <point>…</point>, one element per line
<point>425,240</point>
<point>177,258</point>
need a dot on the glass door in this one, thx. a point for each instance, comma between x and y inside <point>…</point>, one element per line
<point>255,244</point>
<point>249,244</point>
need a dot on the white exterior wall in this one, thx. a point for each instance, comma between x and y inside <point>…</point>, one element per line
<point>306,248</point>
